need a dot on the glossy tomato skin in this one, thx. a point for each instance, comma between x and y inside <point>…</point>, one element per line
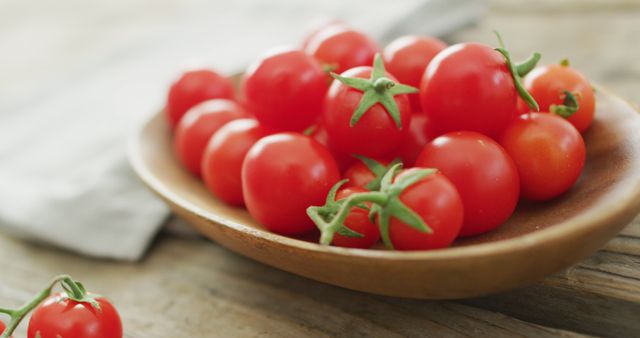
<point>285,89</point>
<point>359,174</point>
<point>485,176</point>
<point>318,28</point>
<point>194,87</point>
<point>468,87</point>
<point>282,175</point>
<point>224,155</point>
<point>548,152</point>
<point>342,48</point>
<point>58,316</point>
<point>198,125</point>
<point>407,57</point>
<point>414,141</point>
<point>546,85</point>
<point>358,221</point>
<point>375,134</point>
<point>344,160</point>
<point>437,201</point>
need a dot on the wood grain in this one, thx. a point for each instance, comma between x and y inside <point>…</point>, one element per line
<point>190,287</point>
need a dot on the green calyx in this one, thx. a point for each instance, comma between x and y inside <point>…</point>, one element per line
<point>568,107</point>
<point>377,89</point>
<point>518,71</point>
<point>385,202</point>
<point>74,291</point>
<point>378,169</point>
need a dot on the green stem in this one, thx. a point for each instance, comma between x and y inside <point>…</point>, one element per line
<point>18,315</point>
<point>329,229</point>
<point>528,65</point>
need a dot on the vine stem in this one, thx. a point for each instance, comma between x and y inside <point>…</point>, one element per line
<point>18,315</point>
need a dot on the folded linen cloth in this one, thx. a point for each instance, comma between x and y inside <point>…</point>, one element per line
<point>91,72</point>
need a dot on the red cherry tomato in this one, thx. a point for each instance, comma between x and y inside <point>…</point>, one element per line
<point>344,160</point>
<point>282,175</point>
<point>358,221</point>
<point>223,157</point>
<point>414,141</point>
<point>285,90</point>
<point>198,125</point>
<point>194,87</point>
<point>547,85</point>
<point>58,316</point>
<point>375,134</point>
<point>483,173</point>
<point>318,28</point>
<point>342,48</point>
<point>436,200</point>
<point>468,87</point>
<point>407,57</point>
<point>548,151</point>
<point>2,327</point>
<point>359,175</point>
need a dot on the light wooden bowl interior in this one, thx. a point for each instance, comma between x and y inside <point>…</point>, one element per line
<point>540,238</point>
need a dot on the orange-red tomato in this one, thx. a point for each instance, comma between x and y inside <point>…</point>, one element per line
<point>341,47</point>
<point>548,151</point>
<point>547,85</point>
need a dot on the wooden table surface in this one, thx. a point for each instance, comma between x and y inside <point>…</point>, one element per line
<point>190,287</point>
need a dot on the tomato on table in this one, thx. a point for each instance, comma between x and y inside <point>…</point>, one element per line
<point>285,89</point>
<point>548,84</point>
<point>436,200</point>
<point>59,316</point>
<point>483,173</point>
<point>548,152</point>
<point>224,155</point>
<point>358,221</point>
<point>198,125</point>
<point>407,57</point>
<point>367,111</point>
<point>194,87</point>
<point>282,175</point>
<point>471,86</point>
<point>340,47</point>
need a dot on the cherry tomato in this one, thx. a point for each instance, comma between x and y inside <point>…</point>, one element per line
<point>358,221</point>
<point>319,134</point>
<point>547,85</point>
<point>483,173</point>
<point>282,175</point>
<point>318,28</point>
<point>359,174</point>
<point>285,90</point>
<point>436,200</point>
<point>414,141</point>
<point>2,327</point>
<point>342,48</point>
<point>198,125</point>
<point>548,151</point>
<point>194,87</point>
<point>468,87</point>
<point>375,134</point>
<point>407,57</point>
<point>59,316</point>
<point>223,157</point>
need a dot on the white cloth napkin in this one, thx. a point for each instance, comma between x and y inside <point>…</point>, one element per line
<point>77,77</point>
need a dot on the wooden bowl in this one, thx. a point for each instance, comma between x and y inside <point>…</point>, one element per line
<point>540,238</point>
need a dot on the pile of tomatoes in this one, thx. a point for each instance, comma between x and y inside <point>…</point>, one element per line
<point>417,144</point>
